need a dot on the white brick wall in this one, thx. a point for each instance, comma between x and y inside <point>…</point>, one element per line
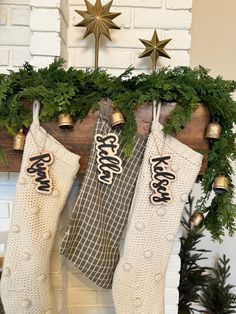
<point>20,16</point>
<point>48,22</point>
<point>38,30</point>
<point>14,34</point>
<point>33,30</point>
<point>171,18</point>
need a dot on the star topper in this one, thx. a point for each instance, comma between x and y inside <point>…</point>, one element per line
<point>155,49</point>
<point>98,21</point>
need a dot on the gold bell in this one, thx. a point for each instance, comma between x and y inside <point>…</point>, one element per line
<point>117,119</point>
<point>1,262</point>
<point>65,121</point>
<point>197,219</point>
<point>221,184</point>
<point>214,129</point>
<point>19,140</point>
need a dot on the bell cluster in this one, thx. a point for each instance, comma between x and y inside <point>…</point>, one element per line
<point>66,122</point>
<point>221,182</point>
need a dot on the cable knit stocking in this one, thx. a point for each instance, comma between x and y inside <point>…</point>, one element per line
<point>25,283</point>
<point>92,240</point>
<point>139,279</point>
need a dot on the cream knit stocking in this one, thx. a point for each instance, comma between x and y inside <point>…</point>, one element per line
<point>25,283</point>
<point>139,279</point>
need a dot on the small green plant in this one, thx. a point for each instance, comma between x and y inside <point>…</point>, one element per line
<point>217,297</point>
<point>193,277</point>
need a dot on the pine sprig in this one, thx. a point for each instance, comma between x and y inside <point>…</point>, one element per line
<point>193,277</point>
<point>217,297</point>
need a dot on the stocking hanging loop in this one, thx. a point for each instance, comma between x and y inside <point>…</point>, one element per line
<point>36,108</point>
<point>156,111</point>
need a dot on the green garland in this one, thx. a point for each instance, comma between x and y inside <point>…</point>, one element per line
<point>77,92</point>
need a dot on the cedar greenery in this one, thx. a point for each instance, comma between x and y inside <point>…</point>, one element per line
<point>77,92</point>
<point>217,297</point>
<point>193,277</point>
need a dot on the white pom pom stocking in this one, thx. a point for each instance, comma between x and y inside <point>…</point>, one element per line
<point>139,279</point>
<point>25,283</point>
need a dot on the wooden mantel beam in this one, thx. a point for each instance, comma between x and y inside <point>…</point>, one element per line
<point>79,139</point>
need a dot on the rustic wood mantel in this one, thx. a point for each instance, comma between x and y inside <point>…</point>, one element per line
<point>79,139</point>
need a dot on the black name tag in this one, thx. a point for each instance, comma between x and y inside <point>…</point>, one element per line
<point>108,163</point>
<point>39,169</point>
<point>162,176</point>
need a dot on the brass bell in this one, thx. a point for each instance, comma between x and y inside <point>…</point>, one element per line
<point>214,129</point>
<point>1,262</point>
<point>197,219</point>
<point>221,184</point>
<point>117,119</point>
<point>19,140</point>
<point>65,121</point>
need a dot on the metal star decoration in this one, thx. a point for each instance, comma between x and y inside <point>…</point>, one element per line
<point>98,21</point>
<point>155,49</point>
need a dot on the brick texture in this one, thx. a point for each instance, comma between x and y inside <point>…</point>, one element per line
<point>50,18</point>
<point>15,34</point>
<point>20,55</point>
<point>16,2</point>
<point>45,3</point>
<point>4,56</point>
<point>176,4</point>
<point>20,16</point>
<point>3,15</point>
<point>167,19</point>
<point>4,210</point>
<point>23,23</point>
<point>45,44</point>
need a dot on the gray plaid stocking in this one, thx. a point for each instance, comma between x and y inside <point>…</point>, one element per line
<point>92,240</point>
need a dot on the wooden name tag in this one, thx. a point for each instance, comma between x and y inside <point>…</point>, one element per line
<point>162,177</point>
<point>108,163</point>
<point>39,169</point>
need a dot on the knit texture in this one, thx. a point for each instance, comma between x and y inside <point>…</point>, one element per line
<point>25,283</point>
<point>92,240</point>
<point>139,279</point>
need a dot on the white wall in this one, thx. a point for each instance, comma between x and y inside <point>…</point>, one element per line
<point>213,36</point>
<point>213,46</point>
<point>47,36</point>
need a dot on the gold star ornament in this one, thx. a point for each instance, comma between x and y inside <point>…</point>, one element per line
<point>98,21</point>
<point>154,49</point>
